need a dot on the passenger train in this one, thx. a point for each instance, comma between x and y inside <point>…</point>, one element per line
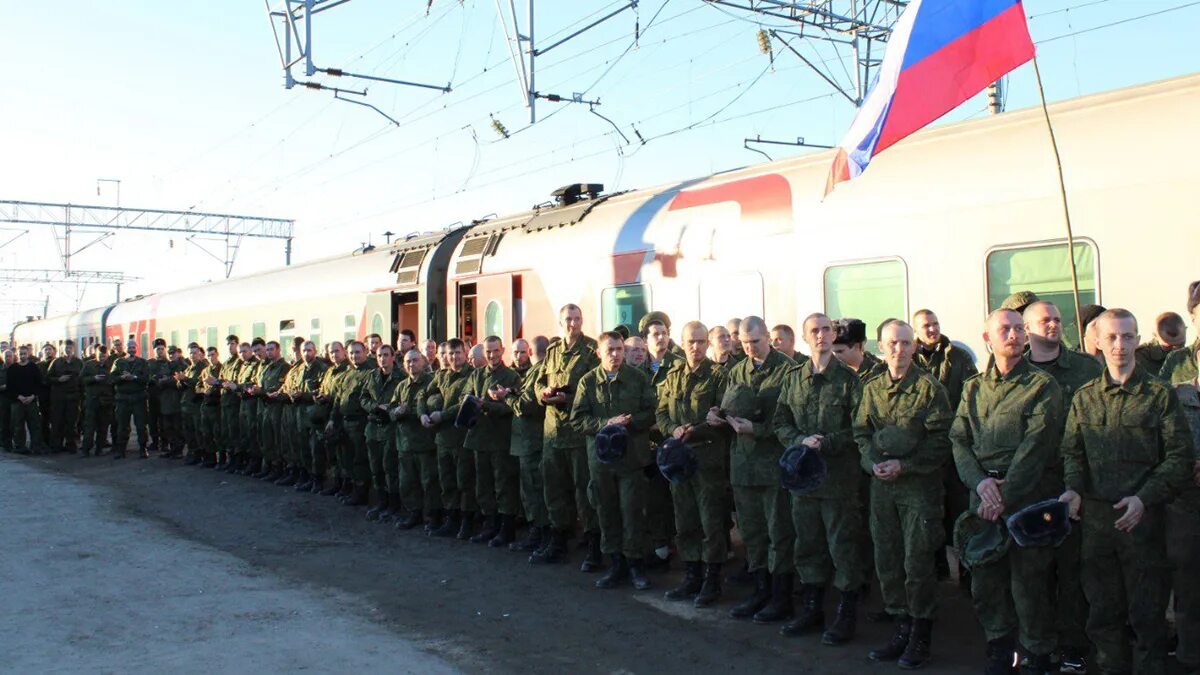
<point>954,218</point>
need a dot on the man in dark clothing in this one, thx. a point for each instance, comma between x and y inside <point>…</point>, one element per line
<point>23,384</point>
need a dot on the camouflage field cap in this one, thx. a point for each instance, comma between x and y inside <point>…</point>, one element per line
<point>650,318</point>
<point>978,541</point>
<point>739,400</point>
<point>895,442</point>
<point>1019,301</point>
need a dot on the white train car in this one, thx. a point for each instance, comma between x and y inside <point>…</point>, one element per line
<point>955,219</point>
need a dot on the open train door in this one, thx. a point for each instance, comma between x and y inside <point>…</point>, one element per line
<point>485,307</point>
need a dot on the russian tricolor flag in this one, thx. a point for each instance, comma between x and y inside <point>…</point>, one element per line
<point>940,53</point>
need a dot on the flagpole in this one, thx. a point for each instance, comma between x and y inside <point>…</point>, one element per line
<point>1062,188</point>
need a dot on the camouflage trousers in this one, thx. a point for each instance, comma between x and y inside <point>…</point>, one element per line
<point>1070,604</point>
<point>419,485</point>
<point>95,424</point>
<point>700,514</point>
<point>385,465</point>
<point>497,483</point>
<point>249,436</point>
<point>354,455</point>
<point>152,417</point>
<point>765,522</point>
<point>456,475</point>
<point>659,513</point>
<point>130,410</point>
<point>270,418</point>
<point>1183,551</point>
<point>906,527</point>
<point>619,497</point>
<point>828,538</point>
<point>230,423</point>
<point>1126,577</point>
<point>23,417</point>
<point>1011,597</point>
<point>5,424</point>
<point>189,416</point>
<point>565,478</point>
<point>210,429</point>
<point>64,421</point>
<point>533,496</point>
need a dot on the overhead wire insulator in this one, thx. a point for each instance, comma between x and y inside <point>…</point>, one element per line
<point>499,127</point>
<point>764,42</point>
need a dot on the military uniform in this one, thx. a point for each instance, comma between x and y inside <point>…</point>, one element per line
<point>1151,357</point>
<point>289,442</point>
<point>660,510</point>
<point>189,407</point>
<point>210,412</point>
<point>5,410</point>
<point>131,400</point>
<point>64,401</point>
<point>325,452</point>
<point>1126,440</point>
<point>565,474</point>
<point>763,513</point>
<point>497,472</point>
<point>230,406</point>
<point>1071,370</point>
<point>618,491</point>
<point>906,513</point>
<point>348,411</point>
<point>1183,543</point>
<point>456,465</point>
<point>163,388</point>
<point>685,398</point>
<point>528,427</point>
<point>379,390</point>
<point>1006,428</point>
<point>270,380</point>
<point>249,413</point>
<point>1180,365</point>
<point>830,517</point>
<point>307,386</point>
<point>420,488</point>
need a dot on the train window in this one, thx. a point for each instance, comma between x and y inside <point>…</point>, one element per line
<point>493,320</point>
<point>193,335</point>
<point>144,344</point>
<point>259,330</point>
<point>623,305</point>
<point>235,330</point>
<point>1045,270</point>
<point>377,324</point>
<point>175,338</point>
<point>314,332</point>
<point>211,336</point>
<point>350,325</point>
<point>870,291</point>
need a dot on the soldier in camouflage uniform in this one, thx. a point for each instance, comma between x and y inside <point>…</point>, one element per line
<point>209,389</point>
<point>377,396</point>
<point>497,472</point>
<point>661,359</point>
<point>816,409</point>
<point>350,415</point>
<point>162,386</point>
<point>565,473</point>
<point>1072,370</point>
<point>230,404</point>
<point>129,376</point>
<point>325,451</point>
<point>902,428</point>
<point>528,426</point>
<point>850,347</point>
<point>456,464</point>
<point>1183,539</point>
<point>7,358</point>
<point>190,402</point>
<point>420,489</point>
<point>289,443</point>
<point>1004,436</point>
<point>1127,450</point>
<point>246,456</point>
<point>1179,366</point>
<point>308,385</point>
<point>616,394</point>
<point>686,398</point>
<point>1170,332</point>
<point>158,367</point>
<point>96,388</point>
<point>763,512</point>
<point>66,389</point>
<point>268,388</point>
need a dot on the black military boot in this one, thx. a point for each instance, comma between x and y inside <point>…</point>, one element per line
<point>449,526</point>
<point>394,508</point>
<point>692,581</point>
<point>303,481</point>
<point>252,467</point>
<point>143,452</point>
<point>83,452</point>
<point>346,490</point>
<point>359,496</point>
<point>410,521</point>
<point>1000,657</point>
<point>332,488</point>
<point>223,460</point>
<point>491,529</point>
<point>192,460</point>
<point>812,613</point>
<point>781,607</point>
<point>637,574</point>
<point>553,550</point>
<point>1035,664</point>
<point>318,485</point>
<point>758,600</point>
<point>288,479</point>
<point>506,534</point>
<point>531,542</point>
<point>916,654</point>
<point>274,474</point>
<point>435,521</point>
<point>898,644</point>
<point>710,589</point>
<point>842,630</point>
<point>593,560</point>
<point>743,575</point>
<point>375,512</point>
<point>118,454</point>
<point>466,526</point>
<point>210,462</point>
<point>617,572</point>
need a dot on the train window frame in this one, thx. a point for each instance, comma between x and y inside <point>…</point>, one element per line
<point>647,305</point>
<point>872,343</point>
<point>258,330</point>
<point>499,320</point>
<point>349,329</point>
<point>175,339</point>
<point>193,336</point>
<point>1069,336</point>
<point>211,335</point>
<point>235,330</point>
<point>314,332</point>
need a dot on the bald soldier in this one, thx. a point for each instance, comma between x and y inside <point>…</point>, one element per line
<point>348,413</point>
<point>1170,333</point>
<point>66,390</point>
<point>687,398</point>
<point>475,356</point>
<point>497,472</point>
<point>528,427</point>
<point>720,349</point>
<point>661,359</point>
<point>902,430</point>
<point>1179,367</point>
<point>1072,370</point>
<point>762,505</point>
<point>456,464</point>
<point>565,473</point>
<point>326,450</point>
<point>783,340</point>
<point>129,376</point>
<point>1127,450</point>
<point>1005,436</point>
<point>816,409</point>
<point>420,491</point>
<point>377,396</point>
<point>635,351</point>
<point>1183,538</point>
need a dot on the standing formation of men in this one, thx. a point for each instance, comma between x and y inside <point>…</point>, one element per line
<point>833,464</point>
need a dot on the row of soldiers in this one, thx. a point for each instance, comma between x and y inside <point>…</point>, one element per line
<point>643,444</point>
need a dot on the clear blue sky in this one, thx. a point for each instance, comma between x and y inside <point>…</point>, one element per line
<point>184,103</point>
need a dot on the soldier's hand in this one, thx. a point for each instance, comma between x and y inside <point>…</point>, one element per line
<point>426,422</point>
<point>1073,500</point>
<point>713,418</point>
<point>620,420</point>
<point>888,470</point>
<point>64,378</point>
<point>1134,510</point>
<point>989,513</point>
<point>813,442</point>
<point>740,425</point>
<point>681,431</point>
<point>989,491</point>
<point>329,425</point>
<point>1196,473</point>
<point>497,393</point>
